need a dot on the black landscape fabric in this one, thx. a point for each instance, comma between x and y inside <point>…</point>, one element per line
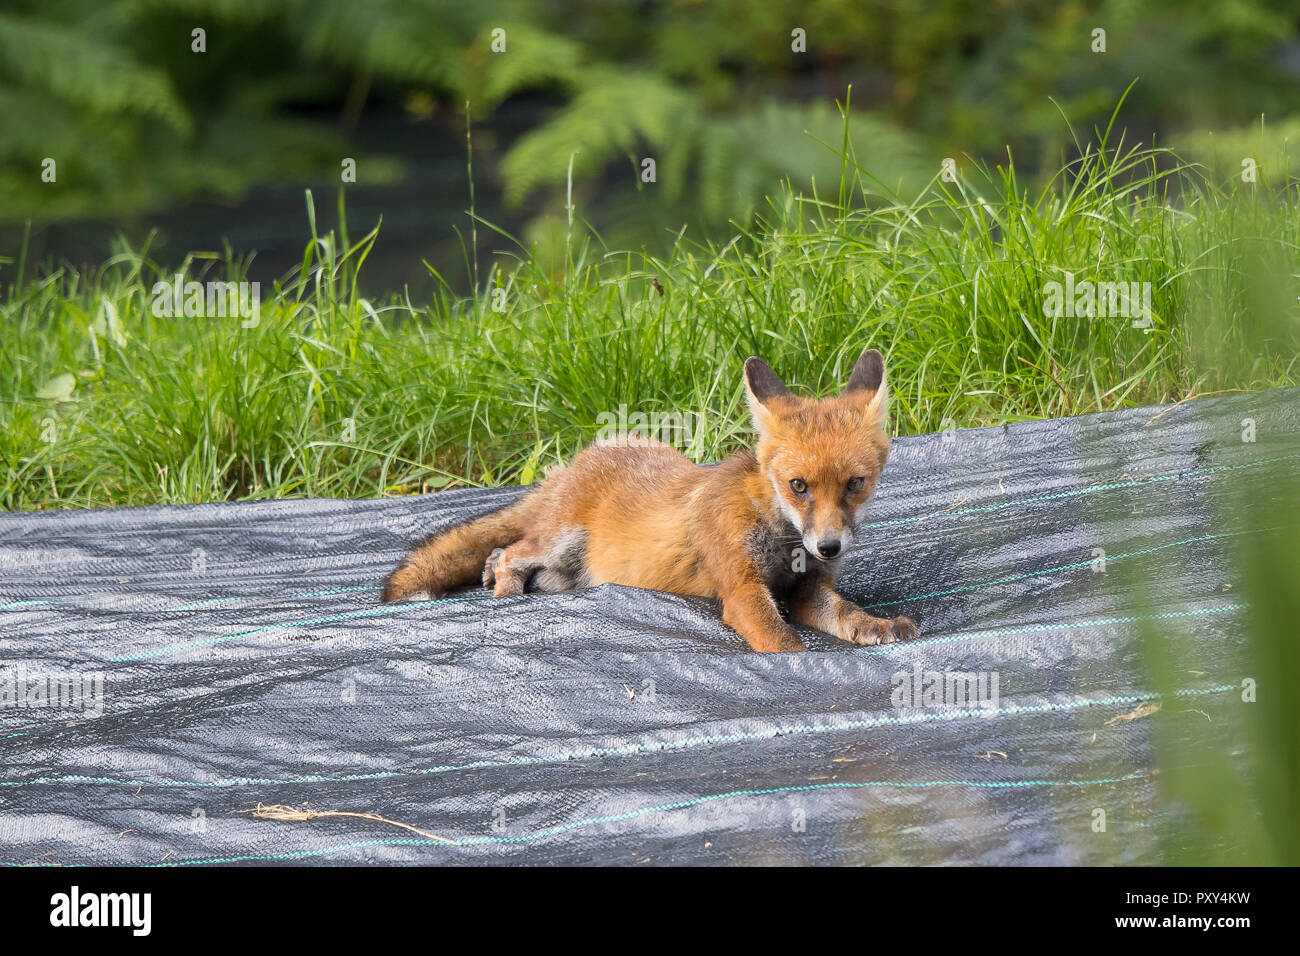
<point>165,670</point>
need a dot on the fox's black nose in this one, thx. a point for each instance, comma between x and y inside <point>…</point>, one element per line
<point>828,548</point>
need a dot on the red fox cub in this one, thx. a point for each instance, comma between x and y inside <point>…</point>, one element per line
<point>764,526</point>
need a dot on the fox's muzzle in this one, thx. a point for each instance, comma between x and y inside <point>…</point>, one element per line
<point>827,543</point>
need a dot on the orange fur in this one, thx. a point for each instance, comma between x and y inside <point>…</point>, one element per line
<point>641,514</point>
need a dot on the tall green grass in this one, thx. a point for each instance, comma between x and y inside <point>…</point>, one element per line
<point>949,284</point>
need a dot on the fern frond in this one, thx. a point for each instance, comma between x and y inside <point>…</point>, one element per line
<point>533,58</point>
<point>614,111</point>
<point>36,126</point>
<point>72,67</point>
<point>222,11</point>
<point>741,157</point>
<point>412,42</point>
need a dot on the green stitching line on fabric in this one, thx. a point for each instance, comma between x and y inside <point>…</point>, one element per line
<point>1068,567</point>
<point>254,597</point>
<point>635,749</point>
<point>371,612</point>
<point>202,604</point>
<point>1038,628</point>
<point>1113,486</point>
<point>645,811</point>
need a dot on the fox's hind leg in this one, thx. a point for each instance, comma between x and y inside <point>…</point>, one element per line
<point>530,565</point>
<point>490,567</point>
<point>508,571</point>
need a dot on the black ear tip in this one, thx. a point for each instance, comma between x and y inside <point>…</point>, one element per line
<point>868,372</point>
<point>762,381</point>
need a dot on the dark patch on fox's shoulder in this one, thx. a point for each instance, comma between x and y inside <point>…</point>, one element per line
<point>777,552</point>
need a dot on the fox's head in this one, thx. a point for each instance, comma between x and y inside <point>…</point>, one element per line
<point>821,456</point>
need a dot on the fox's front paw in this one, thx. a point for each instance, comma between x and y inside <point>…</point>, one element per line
<point>859,627</point>
<point>904,628</point>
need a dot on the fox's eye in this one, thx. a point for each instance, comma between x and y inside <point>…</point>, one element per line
<point>798,485</point>
<point>855,484</point>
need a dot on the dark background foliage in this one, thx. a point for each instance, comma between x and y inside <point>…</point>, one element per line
<point>218,145</point>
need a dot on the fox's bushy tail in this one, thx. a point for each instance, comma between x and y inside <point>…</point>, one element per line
<point>455,557</point>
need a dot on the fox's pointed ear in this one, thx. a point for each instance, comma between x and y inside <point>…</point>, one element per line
<point>761,386</point>
<point>868,378</point>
